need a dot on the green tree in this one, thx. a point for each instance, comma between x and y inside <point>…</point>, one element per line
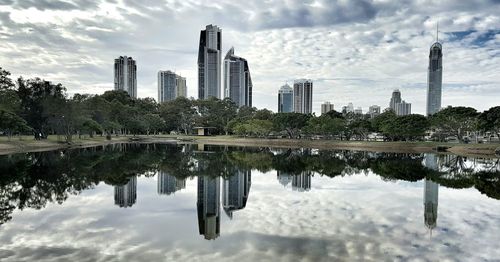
<point>292,123</point>
<point>10,123</point>
<point>455,121</point>
<point>5,80</point>
<point>178,115</point>
<point>489,120</point>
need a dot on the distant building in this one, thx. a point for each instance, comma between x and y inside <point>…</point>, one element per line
<point>434,78</point>
<point>374,111</point>
<point>326,107</point>
<point>358,111</point>
<point>235,191</point>
<point>285,99</point>
<point>126,195</point>
<point>170,86</point>
<point>403,108</point>
<point>209,62</point>
<point>168,184</point>
<point>303,96</point>
<point>350,108</point>
<point>301,182</point>
<point>284,178</point>
<point>395,99</point>
<point>237,80</point>
<point>126,75</point>
<point>208,206</point>
<point>431,192</point>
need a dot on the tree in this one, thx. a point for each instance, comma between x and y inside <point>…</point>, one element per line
<point>410,127</point>
<point>216,113</point>
<point>489,120</point>
<point>91,126</point>
<point>33,94</point>
<point>292,123</point>
<point>455,121</point>
<point>5,80</point>
<point>154,123</point>
<point>11,123</point>
<point>178,115</point>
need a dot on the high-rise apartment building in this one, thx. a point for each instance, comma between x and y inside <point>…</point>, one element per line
<point>285,99</point>
<point>208,206</point>
<point>235,191</point>
<point>374,111</point>
<point>434,78</point>
<point>395,99</point>
<point>170,86</point>
<point>237,80</point>
<point>303,96</point>
<point>209,62</point>
<point>126,195</point>
<point>326,107</point>
<point>403,108</point>
<point>126,75</point>
<point>168,184</point>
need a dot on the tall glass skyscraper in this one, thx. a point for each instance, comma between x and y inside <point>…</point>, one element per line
<point>237,79</point>
<point>235,191</point>
<point>126,75</point>
<point>209,62</point>
<point>285,99</point>
<point>170,86</point>
<point>435,78</point>
<point>208,206</point>
<point>126,195</point>
<point>302,96</point>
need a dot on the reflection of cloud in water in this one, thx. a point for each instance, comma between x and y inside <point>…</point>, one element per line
<point>351,218</point>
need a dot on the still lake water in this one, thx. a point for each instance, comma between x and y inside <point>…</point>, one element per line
<point>211,203</point>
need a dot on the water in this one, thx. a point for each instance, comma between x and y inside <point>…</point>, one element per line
<point>203,203</point>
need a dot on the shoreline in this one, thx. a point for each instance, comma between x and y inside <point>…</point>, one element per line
<point>473,150</point>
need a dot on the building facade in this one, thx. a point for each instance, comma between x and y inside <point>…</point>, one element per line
<point>395,99</point>
<point>235,191</point>
<point>326,107</point>
<point>374,111</point>
<point>126,75</point>
<point>403,108</point>
<point>434,79</point>
<point>302,182</point>
<point>170,86</point>
<point>237,80</point>
<point>285,99</point>
<point>209,62</point>
<point>126,195</point>
<point>168,184</point>
<point>208,206</point>
<point>302,96</point>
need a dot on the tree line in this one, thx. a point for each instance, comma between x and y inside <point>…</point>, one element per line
<point>40,107</point>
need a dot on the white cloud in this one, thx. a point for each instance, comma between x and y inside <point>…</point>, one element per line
<point>355,51</point>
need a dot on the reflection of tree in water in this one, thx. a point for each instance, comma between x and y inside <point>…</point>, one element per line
<point>32,180</point>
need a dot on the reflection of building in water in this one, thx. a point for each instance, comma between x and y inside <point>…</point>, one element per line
<point>168,184</point>
<point>431,191</point>
<point>302,182</point>
<point>284,178</point>
<point>126,195</point>
<point>208,206</point>
<point>235,191</point>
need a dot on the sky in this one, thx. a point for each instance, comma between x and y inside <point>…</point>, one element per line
<point>354,51</point>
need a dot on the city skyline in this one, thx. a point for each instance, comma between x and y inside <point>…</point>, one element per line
<point>341,55</point>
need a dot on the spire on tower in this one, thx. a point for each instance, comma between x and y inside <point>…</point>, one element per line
<point>437,32</point>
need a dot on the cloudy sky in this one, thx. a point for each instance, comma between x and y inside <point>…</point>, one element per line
<point>354,51</point>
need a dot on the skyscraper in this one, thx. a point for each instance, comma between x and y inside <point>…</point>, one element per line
<point>434,77</point>
<point>431,192</point>
<point>403,108</point>
<point>126,75</point>
<point>209,62</point>
<point>170,86</point>
<point>168,184</point>
<point>374,111</point>
<point>302,182</point>
<point>326,107</point>
<point>208,206</point>
<point>285,99</point>
<point>237,79</point>
<point>283,177</point>
<point>235,191</point>
<point>395,99</point>
<point>303,96</point>
<point>358,111</point>
<point>126,195</point>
